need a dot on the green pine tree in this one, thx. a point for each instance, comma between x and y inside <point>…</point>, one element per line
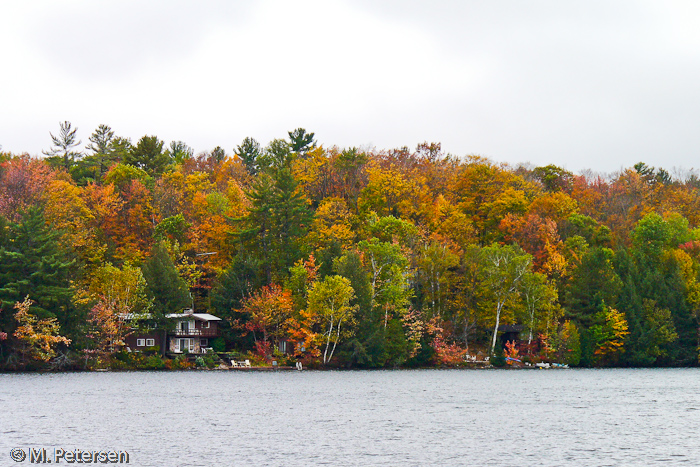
<point>148,155</point>
<point>300,141</point>
<point>595,281</point>
<point>32,263</point>
<point>166,287</point>
<point>255,230</point>
<point>238,281</point>
<point>249,151</point>
<point>276,223</point>
<point>290,219</point>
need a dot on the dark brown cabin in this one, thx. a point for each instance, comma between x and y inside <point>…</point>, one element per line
<point>192,333</point>
<point>510,332</point>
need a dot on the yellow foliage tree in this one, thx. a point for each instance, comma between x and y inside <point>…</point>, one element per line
<point>329,300</point>
<point>38,337</point>
<point>609,336</point>
<point>331,224</point>
<point>555,206</point>
<point>390,193</point>
<point>68,212</point>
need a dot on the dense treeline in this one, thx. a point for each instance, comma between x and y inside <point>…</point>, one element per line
<point>349,257</point>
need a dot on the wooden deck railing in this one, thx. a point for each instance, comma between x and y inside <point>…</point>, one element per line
<point>207,332</point>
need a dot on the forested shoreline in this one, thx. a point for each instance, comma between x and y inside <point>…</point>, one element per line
<point>354,258</point>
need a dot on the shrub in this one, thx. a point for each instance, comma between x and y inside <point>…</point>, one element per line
<point>178,363</point>
<point>210,360</point>
<point>218,344</point>
<point>153,362</point>
<point>498,359</point>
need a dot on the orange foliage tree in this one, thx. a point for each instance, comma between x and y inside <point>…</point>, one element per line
<point>270,310</point>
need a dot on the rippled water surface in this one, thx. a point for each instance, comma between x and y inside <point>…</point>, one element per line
<point>422,417</point>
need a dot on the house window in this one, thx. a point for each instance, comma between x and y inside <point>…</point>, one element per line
<point>205,325</point>
<point>150,342</point>
<point>140,342</point>
<point>204,342</point>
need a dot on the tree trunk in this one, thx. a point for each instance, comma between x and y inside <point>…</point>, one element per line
<point>328,343</point>
<point>337,338</point>
<point>499,307</point>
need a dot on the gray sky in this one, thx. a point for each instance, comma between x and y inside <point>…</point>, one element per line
<point>582,84</point>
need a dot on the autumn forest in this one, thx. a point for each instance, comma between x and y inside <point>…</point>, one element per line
<point>342,257</point>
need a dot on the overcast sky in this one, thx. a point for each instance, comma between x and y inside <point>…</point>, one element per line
<point>585,85</point>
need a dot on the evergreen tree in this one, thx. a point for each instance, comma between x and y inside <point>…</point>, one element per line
<point>218,154</point>
<point>276,223</point>
<point>179,152</point>
<point>594,282</point>
<point>660,283</point>
<point>33,264</point>
<point>277,155</point>
<point>148,155</point>
<point>234,284</point>
<point>256,233</point>
<point>291,218</point>
<point>366,348</point>
<point>4,227</point>
<point>102,151</point>
<point>630,302</point>
<point>120,147</point>
<point>62,150</point>
<point>249,151</point>
<point>397,347</point>
<point>166,287</point>
<point>300,141</point>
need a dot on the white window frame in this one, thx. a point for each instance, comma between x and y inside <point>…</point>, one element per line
<point>203,342</point>
<point>150,342</point>
<point>205,324</point>
<point>140,342</point>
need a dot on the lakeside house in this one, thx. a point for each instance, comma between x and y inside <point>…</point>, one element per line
<point>192,333</point>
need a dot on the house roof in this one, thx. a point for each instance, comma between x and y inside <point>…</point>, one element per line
<point>199,316</point>
<point>511,328</point>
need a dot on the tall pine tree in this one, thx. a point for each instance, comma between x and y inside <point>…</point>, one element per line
<point>166,287</point>
<point>33,264</point>
<point>148,155</point>
<point>277,221</point>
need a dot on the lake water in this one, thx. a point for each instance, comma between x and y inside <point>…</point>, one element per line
<point>421,417</point>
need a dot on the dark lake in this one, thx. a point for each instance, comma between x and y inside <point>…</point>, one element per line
<point>422,417</point>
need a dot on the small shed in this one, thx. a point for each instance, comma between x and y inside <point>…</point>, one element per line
<point>510,332</point>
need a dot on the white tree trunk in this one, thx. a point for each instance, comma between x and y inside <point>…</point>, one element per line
<point>499,307</point>
<point>337,338</point>
<point>328,343</point>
